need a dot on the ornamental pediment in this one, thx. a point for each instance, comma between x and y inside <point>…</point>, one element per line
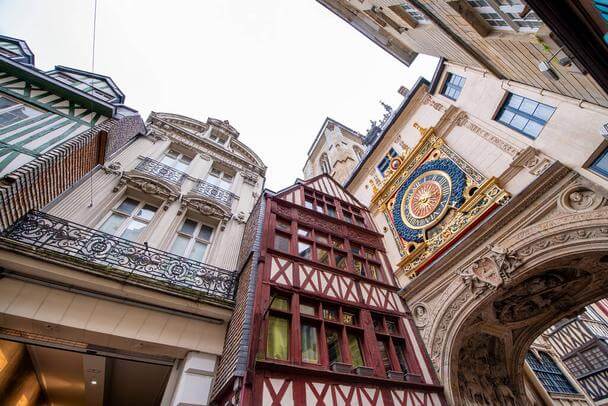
<point>431,197</point>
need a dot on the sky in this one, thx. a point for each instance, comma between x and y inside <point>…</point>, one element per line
<point>274,68</point>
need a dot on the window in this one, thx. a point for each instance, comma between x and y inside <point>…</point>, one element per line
<point>414,13</point>
<point>510,15</point>
<point>354,346</point>
<point>549,373</point>
<point>12,112</point>
<point>324,163</point>
<point>218,139</point>
<point>310,344</point>
<point>524,115</point>
<point>391,343</point>
<point>386,161</point>
<point>320,202</point>
<point>176,160</point>
<point>596,358</point>
<point>353,215</point>
<point>220,178</point>
<point>281,242</point>
<point>453,86</point>
<point>600,164</point>
<point>358,152</point>
<point>576,365</point>
<point>277,345</point>
<point>192,240</point>
<point>129,219</point>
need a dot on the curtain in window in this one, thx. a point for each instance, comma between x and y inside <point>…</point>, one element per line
<point>355,351</point>
<point>310,352</point>
<point>278,338</point>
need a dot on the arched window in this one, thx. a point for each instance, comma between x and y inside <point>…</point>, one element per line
<point>324,162</point>
<point>358,152</point>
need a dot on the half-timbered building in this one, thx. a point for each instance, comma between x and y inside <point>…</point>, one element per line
<point>55,127</point>
<point>318,318</point>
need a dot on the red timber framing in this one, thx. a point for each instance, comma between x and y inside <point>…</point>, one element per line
<point>328,325</point>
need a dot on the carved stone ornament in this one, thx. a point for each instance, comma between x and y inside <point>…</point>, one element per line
<point>580,198</point>
<point>428,99</point>
<point>421,315</point>
<point>491,271</point>
<point>249,178</point>
<point>149,186</point>
<point>206,208</point>
<point>241,217</point>
<point>113,168</point>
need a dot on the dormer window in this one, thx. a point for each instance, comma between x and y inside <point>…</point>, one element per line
<point>218,139</point>
<point>324,162</point>
<point>416,15</point>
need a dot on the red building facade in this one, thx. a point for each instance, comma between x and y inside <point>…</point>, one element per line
<point>318,318</point>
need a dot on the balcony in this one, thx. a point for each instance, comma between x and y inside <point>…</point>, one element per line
<point>213,192</point>
<point>41,235</point>
<point>160,170</point>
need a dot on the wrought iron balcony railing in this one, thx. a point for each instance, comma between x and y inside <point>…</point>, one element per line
<point>160,170</point>
<point>115,257</point>
<point>214,192</point>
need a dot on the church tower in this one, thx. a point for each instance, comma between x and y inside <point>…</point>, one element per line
<point>336,151</point>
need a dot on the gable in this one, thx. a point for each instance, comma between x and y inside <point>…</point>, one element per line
<point>96,85</point>
<point>322,183</point>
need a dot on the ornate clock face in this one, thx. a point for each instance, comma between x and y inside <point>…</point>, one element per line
<point>426,200</point>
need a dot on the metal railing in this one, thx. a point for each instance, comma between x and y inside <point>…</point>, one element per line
<point>160,170</point>
<point>214,192</point>
<point>120,258</point>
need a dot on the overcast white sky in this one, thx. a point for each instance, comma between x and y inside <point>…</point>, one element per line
<point>274,68</point>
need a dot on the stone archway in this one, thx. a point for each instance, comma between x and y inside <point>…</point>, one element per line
<point>508,297</point>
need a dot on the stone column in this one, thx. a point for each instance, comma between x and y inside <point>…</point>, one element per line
<point>194,379</point>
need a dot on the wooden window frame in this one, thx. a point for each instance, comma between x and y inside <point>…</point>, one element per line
<point>194,238</point>
<point>17,104</point>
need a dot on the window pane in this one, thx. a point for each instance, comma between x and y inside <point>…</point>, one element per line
<point>198,251</point>
<point>519,122</point>
<point>533,129</point>
<point>188,227</point>
<point>528,106</point>
<point>278,338</point>
<point>544,112</point>
<point>147,212</point>
<point>358,265</point>
<point>340,261</point>
<point>179,245</point>
<point>180,166</point>
<point>355,249</point>
<point>391,326</point>
<point>4,103</point>
<point>205,232</point>
<point>112,223</point>
<point>330,313</point>
<point>374,272</point>
<point>133,230</point>
<point>400,350</point>
<point>304,250</point>
<point>16,115</point>
<point>386,361</point>
<point>280,303</point>
<point>310,344</point>
<point>281,243</point>
<point>322,238</point>
<point>284,225</point>
<point>304,232</point>
<point>308,204</point>
<point>355,350</point>
<point>331,210</point>
<point>323,256</point>
<point>127,206</point>
<point>338,243</point>
<point>515,101</point>
<point>601,163</point>
<point>307,309</point>
<point>333,346</point>
<point>506,116</point>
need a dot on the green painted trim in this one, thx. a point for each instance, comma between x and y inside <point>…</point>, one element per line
<point>7,160</point>
<point>43,133</point>
<point>24,123</point>
<point>57,140</point>
<point>18,149</point>
<point>29,130</point>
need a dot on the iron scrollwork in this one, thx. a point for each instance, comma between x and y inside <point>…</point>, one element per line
<point>121,258</point>
<point>160,170</point>
<point>214,192</point>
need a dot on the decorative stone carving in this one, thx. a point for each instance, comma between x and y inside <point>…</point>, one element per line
<point>580,198</point>
<point>149,186</point>
<point>206,208</point>
<point>489,272</point>
<point>428,100</point>
<point>249,177</point>
<point>113,168</point>
<point>420,313</point>
<point>241,218</point>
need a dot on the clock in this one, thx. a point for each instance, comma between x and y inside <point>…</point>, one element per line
<point>424,198</point>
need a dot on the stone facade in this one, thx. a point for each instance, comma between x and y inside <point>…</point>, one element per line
<point>522,233</point>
